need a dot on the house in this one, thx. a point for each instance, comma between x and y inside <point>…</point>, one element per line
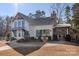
<point>22,26</point>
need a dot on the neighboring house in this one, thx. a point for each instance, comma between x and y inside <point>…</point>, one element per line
<point>22,26</point>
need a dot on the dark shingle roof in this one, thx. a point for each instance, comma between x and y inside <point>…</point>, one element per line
<point>41,21</point>
<point>37,21</point>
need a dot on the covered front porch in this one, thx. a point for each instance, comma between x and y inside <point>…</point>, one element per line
<point>60,31</point>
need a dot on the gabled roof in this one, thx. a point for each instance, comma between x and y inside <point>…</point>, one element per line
<point>36,21</point>
<point>19,16</point>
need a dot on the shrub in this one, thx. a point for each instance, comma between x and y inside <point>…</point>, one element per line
<point>68,37</point>
<point>13,38</point>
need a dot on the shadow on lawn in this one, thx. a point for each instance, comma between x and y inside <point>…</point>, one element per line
<point>23,49</point>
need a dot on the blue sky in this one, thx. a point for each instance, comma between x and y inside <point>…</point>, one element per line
<point>10,9</point>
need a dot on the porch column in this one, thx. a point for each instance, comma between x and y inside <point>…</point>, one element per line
<point>21,33</point>
<point>17,32</point>
<point>67,31</point>
<point>51,33</point>
<point>12,34</point>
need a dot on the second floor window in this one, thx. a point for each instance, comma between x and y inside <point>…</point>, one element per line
<point>23,24</point>
<point>15,24</point>
<point>19,24</point>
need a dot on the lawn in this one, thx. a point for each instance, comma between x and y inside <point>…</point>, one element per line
<point>48,49</point>
<point>2,43</point>
<point>57,50</point>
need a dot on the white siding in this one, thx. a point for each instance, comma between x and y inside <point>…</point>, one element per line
<point>32,29</point>
<point>13,23</point>
<point>42,27</point>
<point>27,26</point>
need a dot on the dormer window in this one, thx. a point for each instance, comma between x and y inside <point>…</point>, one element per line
<point>23,24</point>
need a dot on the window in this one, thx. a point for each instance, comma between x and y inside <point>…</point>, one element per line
<point>23,24</point>
<point>42,32</point>
<point>19,34</point>
<point>38,33</point>
<point>15,24</point>
<point>19,23</point>
<point>47,32</point>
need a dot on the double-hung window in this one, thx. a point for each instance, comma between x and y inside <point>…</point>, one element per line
<point>22,24</point>
<point>15,24</point>
<point>19,24</point>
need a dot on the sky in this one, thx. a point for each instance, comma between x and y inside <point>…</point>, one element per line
<point>10,9</point>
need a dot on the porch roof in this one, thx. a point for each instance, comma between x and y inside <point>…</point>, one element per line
<point>63,25</point>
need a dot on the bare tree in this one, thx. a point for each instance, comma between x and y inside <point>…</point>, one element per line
<point>1,27</point>
<point>7,27</point>
<point>59,8</point>
<point>38,14</point>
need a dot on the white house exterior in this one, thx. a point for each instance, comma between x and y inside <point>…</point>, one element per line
<point>22,26</point>
<point>49,28</point>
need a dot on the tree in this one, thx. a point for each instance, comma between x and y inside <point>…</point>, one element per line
<point>7,22</point>
<point>75,10</point>
<point>54,16</point>
<point>30,15</point>
<point>67,14</point>
<point>59,8</point>
<point>1,28</point>
<point>43,13</point>
<point>38,14</point>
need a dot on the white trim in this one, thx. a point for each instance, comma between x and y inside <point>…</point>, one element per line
<point>63,25</point>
